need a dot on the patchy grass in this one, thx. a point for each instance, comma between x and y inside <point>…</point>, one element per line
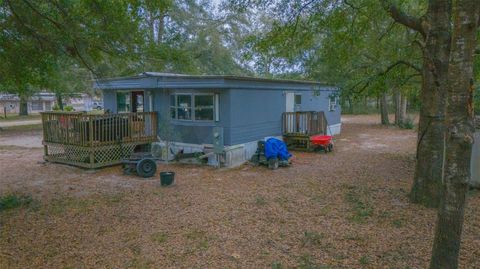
<point>312,239</point>
<point>398,223</point>
<point>364,260</point>
<point>277,265</point>
<point>358,199</point>
<point>159,237</point>
<point>354,237</point>
<point>60,205</point>
<point>307,262</point>
<point>141,263</point>
<point>473,193</point>
<point>260,201</point>
<point>11,201</point>
<point>199,238</point>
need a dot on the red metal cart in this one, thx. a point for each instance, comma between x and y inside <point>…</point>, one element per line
<point>322,142</point>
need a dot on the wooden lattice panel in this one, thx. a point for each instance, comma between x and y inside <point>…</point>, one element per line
<point>87,156</point>
<point>113,153</point>
<point>68,154</point>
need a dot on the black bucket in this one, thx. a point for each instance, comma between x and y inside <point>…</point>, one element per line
<point>166,178</point>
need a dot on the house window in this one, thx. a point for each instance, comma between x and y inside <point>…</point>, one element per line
<point>298,99</point>
<point>204,107</point>
<point>181,106</point>
<point>137,101</point>
<point>130,101</point>
<point>123,102</point>
<point>48,106</point>
<point>37,105</point>
<point>198,107</point>
<point>332,103</point>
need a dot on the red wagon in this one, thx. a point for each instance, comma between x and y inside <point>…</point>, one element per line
<point>322,142</point>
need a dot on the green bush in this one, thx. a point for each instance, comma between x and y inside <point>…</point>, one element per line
<point>408,123</point>
<point>56,107</point>
<point>68,108</point>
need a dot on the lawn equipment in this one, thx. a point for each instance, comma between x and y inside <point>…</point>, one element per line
<point>322,142</point>
<point>273,162</point>
<point>143,164</point>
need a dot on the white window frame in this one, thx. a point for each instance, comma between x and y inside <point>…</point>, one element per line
<point>216,101</point>
<point>295,99</point>
<point>297,107</point>
<point>130,97</point>
<point>332,106</point>
<point>216,107</point>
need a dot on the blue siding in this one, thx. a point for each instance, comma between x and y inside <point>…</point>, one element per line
<point>110,100</point>
<point>246,114</point>
<point>311,102</point>
<point>255,114</point>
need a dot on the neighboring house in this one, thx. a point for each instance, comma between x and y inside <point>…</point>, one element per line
<point>43,101</point>
<point>244,109</point>
<point>84,102</point>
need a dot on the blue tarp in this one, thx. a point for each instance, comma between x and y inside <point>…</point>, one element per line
<point>275,148</point>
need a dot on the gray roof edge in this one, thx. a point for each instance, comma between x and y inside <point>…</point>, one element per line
<point>224,77</point>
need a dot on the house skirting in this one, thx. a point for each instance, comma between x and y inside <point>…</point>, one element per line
<point>235,155</point>
<point>232,156</point>
<point>334,129</point>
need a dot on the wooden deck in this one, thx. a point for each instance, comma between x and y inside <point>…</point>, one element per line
<point>298,127</point>
<point>93,141</point>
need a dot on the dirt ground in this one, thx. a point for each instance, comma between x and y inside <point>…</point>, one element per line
<point>347,209</point>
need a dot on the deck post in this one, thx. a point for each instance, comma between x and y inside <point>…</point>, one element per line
<point>45,148</point>
<point>90,141</point>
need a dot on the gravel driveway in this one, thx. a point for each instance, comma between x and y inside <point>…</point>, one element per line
<point>12,123</point>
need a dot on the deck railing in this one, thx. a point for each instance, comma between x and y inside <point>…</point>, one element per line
<point>94,141</point>
<point>81,129</point>
<point>304,123</point>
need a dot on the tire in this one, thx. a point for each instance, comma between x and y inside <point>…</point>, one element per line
<point>273,163</point>
<point>146,168</point>
<point>255,160</point>
<point>330,147</point>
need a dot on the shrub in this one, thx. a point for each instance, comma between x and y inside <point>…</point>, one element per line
<point>56,107</point>
<point>408,123</point>
<point>68,108</point>
<point>11,201</point>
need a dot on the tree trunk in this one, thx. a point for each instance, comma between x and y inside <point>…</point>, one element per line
<point>350,105</point>
<point>399,114</point>
<point>161,27</point>
<point>427,184</point>
<point>384,109</point>
<point>23,110</point>
<point>60,101</point>
<point>458,136</point>
<point>403,108</point>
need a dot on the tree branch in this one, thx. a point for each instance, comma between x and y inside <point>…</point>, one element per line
<point>403,18</point>
<point>370,79</point>
<point>401,62</point>
<point>55,23</point>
